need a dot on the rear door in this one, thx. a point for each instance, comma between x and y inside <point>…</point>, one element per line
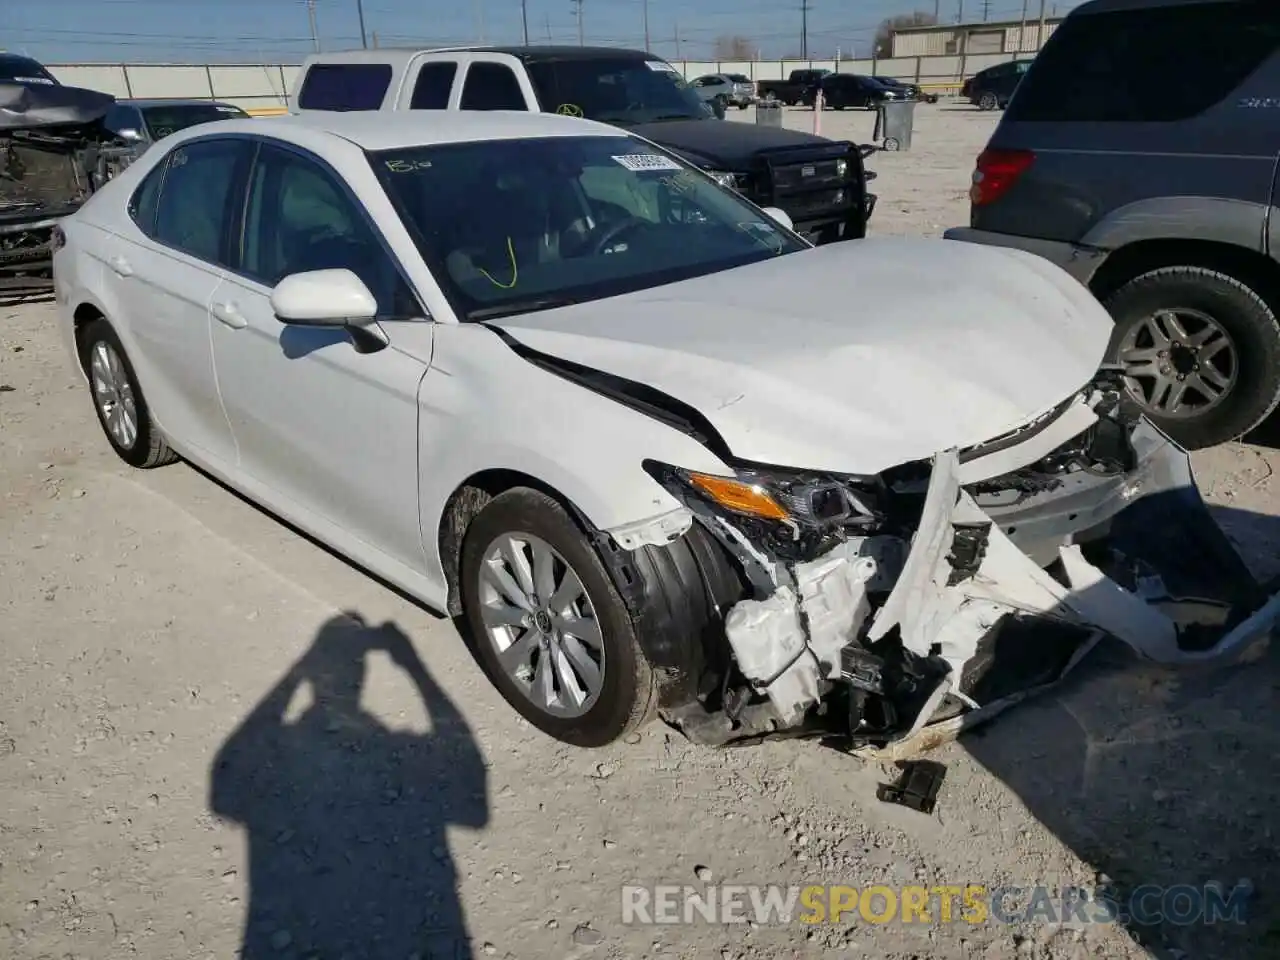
<point>1126,108</point>
<point>163,270</point>
<point>361,85</point>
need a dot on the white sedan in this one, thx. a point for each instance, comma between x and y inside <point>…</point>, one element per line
<point>656,453</point>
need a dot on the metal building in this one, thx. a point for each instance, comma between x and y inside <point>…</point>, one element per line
<point>971,39</point>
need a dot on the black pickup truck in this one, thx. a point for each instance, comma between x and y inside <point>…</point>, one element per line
<point>821,184</point>
<point>793,89</point>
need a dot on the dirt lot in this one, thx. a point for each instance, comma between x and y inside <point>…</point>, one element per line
<point>153,753</point>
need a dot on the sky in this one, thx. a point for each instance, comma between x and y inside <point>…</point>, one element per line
<point>254,31</point>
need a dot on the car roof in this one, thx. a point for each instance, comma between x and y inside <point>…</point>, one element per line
<point>370,130</point>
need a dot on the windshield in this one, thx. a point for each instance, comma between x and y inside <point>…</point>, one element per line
<point>622,90</point>
<point>24,70</point>
<point>511,226</point>
<point>166,119</point>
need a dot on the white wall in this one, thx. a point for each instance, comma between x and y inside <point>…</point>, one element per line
<point>268,85</point>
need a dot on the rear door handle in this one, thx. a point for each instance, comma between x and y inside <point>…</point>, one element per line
<point>229,314</point>
<point>120,266</point>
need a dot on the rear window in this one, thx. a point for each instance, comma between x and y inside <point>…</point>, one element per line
<point>1158,64</point>
<point>434,84</point>
<point>345,86</point>
<point>739,78</point>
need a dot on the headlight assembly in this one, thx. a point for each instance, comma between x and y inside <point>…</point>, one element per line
<point>799,500</point>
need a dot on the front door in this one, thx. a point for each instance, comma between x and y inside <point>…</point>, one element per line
<point>328,433</point>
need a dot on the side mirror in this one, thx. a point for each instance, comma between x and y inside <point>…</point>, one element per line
<point>129,134</point>
<point>779,216</point>
<point>324,298</point>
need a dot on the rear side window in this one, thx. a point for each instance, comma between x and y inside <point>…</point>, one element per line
<point>1159,64</point>
<point>431,90</point>
<point>345,86</point>
<point>198,196</point>
<point>491,86</point>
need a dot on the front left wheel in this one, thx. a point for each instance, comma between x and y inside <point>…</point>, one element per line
<point>118,401</point>
<point>548,625</point>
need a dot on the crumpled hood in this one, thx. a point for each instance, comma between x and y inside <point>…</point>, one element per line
<point>851,357</point>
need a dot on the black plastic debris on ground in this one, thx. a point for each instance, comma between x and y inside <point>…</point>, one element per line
<point>918,786</point>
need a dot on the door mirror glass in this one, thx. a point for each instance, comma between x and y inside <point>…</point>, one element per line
<point>779,216</point>
<point>324,298</point>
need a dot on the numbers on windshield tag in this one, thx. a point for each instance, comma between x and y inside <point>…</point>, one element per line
<point>401,165</point>
<point>645,162</point>
<point>661,66</point>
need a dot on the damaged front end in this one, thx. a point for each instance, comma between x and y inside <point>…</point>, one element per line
<point>901,608</point>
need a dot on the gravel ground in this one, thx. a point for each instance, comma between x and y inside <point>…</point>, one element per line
<point>154,747</point>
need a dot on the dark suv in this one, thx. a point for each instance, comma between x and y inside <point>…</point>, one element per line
<point>1141,154</point>
<point>993,87</point>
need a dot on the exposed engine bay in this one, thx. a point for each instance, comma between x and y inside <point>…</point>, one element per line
<point>899,609</point>
<point>54,153</point>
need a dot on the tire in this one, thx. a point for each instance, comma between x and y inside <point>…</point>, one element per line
<point>1199,297</point>
<point>743,106</point>
<point>627,690</point>
<point>988,101</point>
<point>144,446</point>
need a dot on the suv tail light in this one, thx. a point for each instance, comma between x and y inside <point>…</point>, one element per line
<point>996,172</point>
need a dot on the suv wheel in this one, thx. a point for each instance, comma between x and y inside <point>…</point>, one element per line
<point>988,101</point>
<point>1201,352</point>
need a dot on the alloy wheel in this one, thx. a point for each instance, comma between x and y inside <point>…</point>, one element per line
<point>1179,363</point>
<point>542,624</point>
<point>113,394</point>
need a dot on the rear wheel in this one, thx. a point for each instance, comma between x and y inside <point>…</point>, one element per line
<point>118,401</point>
<point>1201,352</point>
<point>988,101</point>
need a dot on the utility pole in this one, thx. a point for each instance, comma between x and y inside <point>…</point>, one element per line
<point>986,10</point>
<point>646,26</point>
<point>937,10</point>
<point>804,29</point>
<point>364,42</point>
<point>960,13</point>
<point>547,22</point>
<point>311,17</point>
<point>480,19</point>
<point>577,6</point>
<point>677,39</point>
<point>375,39</point>
<point>1022,28</point>
<point>524,19</point>
<point>1040,32</point>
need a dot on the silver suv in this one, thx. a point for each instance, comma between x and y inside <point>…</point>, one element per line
<point>731,89</point>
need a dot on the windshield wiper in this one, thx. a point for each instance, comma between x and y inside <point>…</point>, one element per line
<point>673,116</point>
<point>519,306</point>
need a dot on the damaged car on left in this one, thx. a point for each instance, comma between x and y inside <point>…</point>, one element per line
<point>657,454</point>
<point>54,152</point>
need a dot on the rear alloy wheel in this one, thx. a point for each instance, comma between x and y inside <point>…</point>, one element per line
<point>988,101</point>
<point>547,624</point>
<point>118,400</point>
<point>1200,351</point>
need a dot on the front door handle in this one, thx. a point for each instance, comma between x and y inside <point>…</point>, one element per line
<point>120,266</point>
<point>229,314</point>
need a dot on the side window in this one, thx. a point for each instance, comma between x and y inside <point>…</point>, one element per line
<point>145,200</point>
<point>491,86</point>
<point>345,86</point>
<point>431,90</point>
<point>197,200</point>
<point>298,218</point>
<point>1157,64</point>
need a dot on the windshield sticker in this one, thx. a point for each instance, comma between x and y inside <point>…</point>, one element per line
<point>661,66</point>
<point>227,109</point>
<point>569,110</point>
<point>44,80</point>
<point>407,166</point>
<point>644,162</point>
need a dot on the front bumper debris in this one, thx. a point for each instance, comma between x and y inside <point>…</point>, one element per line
<point>901,647</point>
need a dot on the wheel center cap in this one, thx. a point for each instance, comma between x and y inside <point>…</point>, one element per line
<point>542,621</point>
<point>1184,358</point>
